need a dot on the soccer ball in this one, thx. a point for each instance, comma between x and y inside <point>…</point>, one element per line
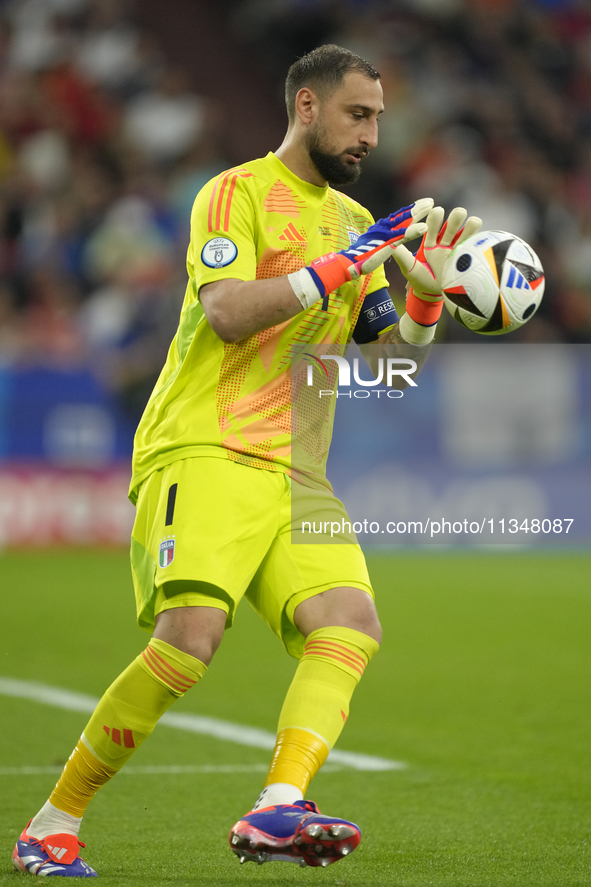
<point>493,283</point>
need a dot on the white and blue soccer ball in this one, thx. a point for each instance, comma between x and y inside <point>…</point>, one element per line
<point>493,283</point>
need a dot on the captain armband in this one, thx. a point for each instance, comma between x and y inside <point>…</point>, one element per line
<point>377,315</point>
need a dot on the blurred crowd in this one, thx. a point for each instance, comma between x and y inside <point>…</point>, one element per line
<point>105,140</point>
<point>103,146</point>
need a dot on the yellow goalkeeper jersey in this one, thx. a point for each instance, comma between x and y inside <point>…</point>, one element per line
<point>234,401</point>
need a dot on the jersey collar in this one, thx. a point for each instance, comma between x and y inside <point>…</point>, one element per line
<point>313,194</point>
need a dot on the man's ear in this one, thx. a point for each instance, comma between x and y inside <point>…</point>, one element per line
<point>306,105</point>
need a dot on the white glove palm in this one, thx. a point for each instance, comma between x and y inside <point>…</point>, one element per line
<point>425,270</point>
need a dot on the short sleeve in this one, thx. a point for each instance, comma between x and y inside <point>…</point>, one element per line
<point>223,230</point>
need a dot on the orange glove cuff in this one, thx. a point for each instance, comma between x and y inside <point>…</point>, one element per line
<point>421,311</point>
<point>333,270</point>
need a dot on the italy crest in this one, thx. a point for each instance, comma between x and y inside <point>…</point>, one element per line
<point>166,553</point>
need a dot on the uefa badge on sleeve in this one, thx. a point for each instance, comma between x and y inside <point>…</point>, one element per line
<point>219,252</point>
<point>166,552</point>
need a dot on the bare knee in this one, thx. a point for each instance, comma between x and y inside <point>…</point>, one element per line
<point>346,607</point>
<point>197,631</point>
<point>370,626</point>
<point>374,630</point>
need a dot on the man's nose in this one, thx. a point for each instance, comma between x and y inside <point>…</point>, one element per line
<point>370,134</point>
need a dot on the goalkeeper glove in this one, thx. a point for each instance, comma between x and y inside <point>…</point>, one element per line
<point>424,271</point>
<point>327,273</point>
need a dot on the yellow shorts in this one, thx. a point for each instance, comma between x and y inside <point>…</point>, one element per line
<point>228,526</point>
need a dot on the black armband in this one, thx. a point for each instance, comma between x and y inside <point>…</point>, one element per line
<point>377,314</point>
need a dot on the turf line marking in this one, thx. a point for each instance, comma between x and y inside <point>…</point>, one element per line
<point>239,733</point>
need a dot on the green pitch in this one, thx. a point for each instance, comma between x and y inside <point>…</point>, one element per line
<point>481,687</point>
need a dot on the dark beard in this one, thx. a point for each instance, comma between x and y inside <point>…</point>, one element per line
<point>333,168</point>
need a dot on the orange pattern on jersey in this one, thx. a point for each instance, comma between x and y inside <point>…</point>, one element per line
<point>275,403</point>
<point>281,199</point>
<point>227,181</point>
<point>359,304</point>
<point>236,365</point>
<point>256,438</point>
<point>268,348</point>
<point>277,262</point>
<point>292,233</point>
<point>254,461</point>
<point>255,420</point>
<point>252,422</point>
<point>340,219</point>
<point>310,429</point>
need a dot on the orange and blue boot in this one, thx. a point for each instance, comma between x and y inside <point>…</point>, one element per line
<point>53,855</point>
<point>295,832</point>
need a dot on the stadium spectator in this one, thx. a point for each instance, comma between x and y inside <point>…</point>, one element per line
<point>164,123</point>
<point>113,53</point>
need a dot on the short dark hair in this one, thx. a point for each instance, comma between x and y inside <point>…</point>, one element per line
<point>323,70</point>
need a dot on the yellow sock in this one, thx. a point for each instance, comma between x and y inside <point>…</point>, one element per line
<point>317,703</point>
<point>123,719</point>
<point>81,778</point>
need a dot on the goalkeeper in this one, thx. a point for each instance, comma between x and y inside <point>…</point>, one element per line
<point>277,258</point>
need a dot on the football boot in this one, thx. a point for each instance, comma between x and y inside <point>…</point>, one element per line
<point>293,833</point>
<point>54,855</point>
